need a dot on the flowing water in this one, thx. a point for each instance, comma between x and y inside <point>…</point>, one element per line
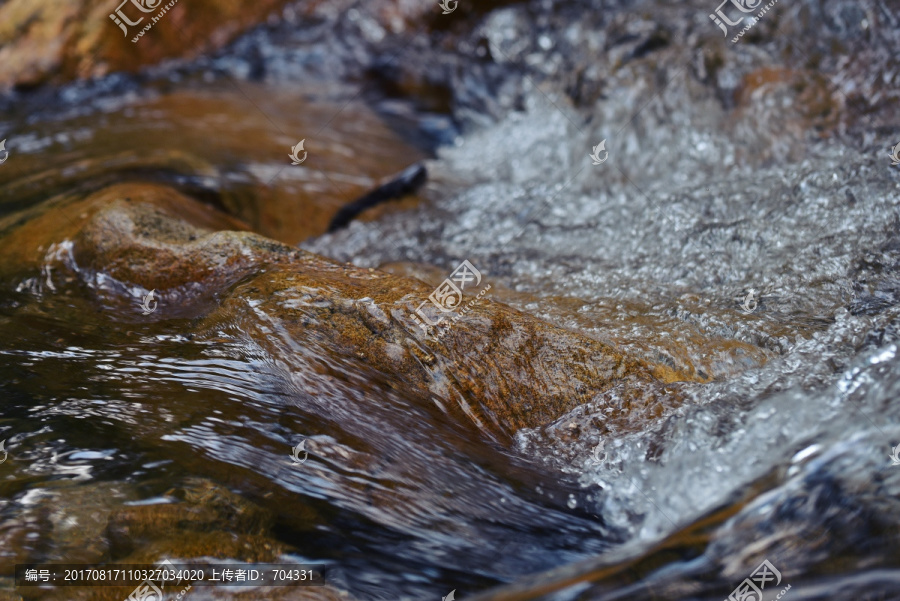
<point>743,232</point>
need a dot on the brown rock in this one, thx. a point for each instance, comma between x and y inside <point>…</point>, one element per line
<point>59,40</point>
<point>54,41</point>
<point>496,366</point>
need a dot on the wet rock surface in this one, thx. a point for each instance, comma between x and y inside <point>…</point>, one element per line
<point>244,169</point>
<point>59,41</point>
<point>530,373</point>
<point>50,41</point>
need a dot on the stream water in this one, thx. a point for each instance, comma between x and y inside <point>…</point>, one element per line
<point>743,232</point>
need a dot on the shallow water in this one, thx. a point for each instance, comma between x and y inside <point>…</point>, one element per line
<point>781,451</point>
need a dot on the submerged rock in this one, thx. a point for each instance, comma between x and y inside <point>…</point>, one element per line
<point>202,520</point>
<point>206,508</point>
